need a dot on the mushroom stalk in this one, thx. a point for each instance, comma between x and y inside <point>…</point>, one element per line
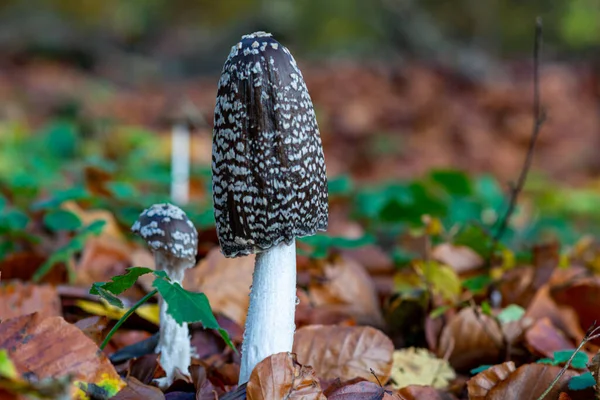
<point>180,164</point>
<point>270,322</point>
<point>174,339</point>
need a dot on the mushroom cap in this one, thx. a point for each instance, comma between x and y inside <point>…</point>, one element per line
<point>166,228</point>
<point>269,178</point>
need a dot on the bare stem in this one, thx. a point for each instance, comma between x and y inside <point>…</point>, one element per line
<point>539,117</point>
<point>591,334</point>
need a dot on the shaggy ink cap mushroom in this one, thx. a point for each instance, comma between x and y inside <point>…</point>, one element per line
<point>269,178</point>
<point>166,228</point>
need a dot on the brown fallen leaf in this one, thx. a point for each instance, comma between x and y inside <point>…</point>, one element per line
<point>359,391</point>
<point>417,392</point>
<point>94,327</point>
<point>345,352</point>
<point>529,381</point>
<point>280,376</point>
<point>110,230</point>
<point>479,385</point>
<point>23,265</point>
<point>231,299</point>
<point>18,299</point>
<point>102,258</point>
<point>344,284</point>
<point>544,338</point>
<point>50,347</point>
<point>136,390</point>
<point>462,259</point>
<point>472,339</point>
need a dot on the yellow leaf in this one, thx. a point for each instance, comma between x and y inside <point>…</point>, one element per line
<point>150,312</point>
<point>109,385</point>
<point>413,366</point>
<point>7,368</point>
<point>442,278</point>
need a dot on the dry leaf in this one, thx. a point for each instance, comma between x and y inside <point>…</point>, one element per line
<point>136,390</point>
<point>544,338</point>
<point>280,376</point>
<point>230,299</point>
<point>480,384</point>
<point>345,352</point>
<point>94,327</point>
<point>102,258</point>
<point>461,258</point>
<point>18,298</point>
<point>419,367</point>
<point>416,392</point>
<point>344,284</point>
<point>50,347</point>
<point>23,265</point>
<point>360,391</point>
<point>472,339</point>
<point>529,381</point>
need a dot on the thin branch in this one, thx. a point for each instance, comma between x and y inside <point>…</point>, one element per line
<point>539,117</point>
<point>590,335</point>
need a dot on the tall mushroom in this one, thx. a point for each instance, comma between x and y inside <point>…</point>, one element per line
<point>173,239</point>
<point>269,183</point>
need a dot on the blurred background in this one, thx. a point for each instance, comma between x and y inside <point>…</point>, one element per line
<point>91,90</point>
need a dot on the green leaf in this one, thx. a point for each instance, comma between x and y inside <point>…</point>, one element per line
<point>75,193</point>
<point>581,382</point>
<point>579,361</point>
<point>438,312</point>
<point>14,220</point>
<point>511,313</point>
<point>7,367</point>
<point>62,220</point>
<point>479,369</point>
<point>477,284</point>
<point>106,295</point>
<point>119,284</point>
<point>456,183</point>
<point>476,238</point>
<point>486,308</point>
<point>340,185</point>
<point>122,190</point>
<point>190,307</point>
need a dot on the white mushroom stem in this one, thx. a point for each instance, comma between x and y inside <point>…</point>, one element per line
<point>180,164</point>
<point>270,322</point>
<point>174,340</point>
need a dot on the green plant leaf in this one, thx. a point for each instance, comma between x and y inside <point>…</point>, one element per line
<point>61,220</point>
<point>581,382</point>
<point>477,284</point>
<point>456,183</point>
<point>118,285</point>
<point>190,307</point>
<point>486,308</point>
<point>479,369</point>
<point>579,361</point>
<point>511,313</point>
<point>340,185</point>
<point>7,367</point>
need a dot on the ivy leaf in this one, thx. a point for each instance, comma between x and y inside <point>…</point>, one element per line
<point>511,313</point>
<point>190,307</point>
<point>479,369</point>
<point>583,381</point>
<point>579,361</point>
<point>62,220</point>
<point>118,284</point>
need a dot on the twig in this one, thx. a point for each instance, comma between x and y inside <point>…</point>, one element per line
<point>125,316</point>
<point>539,117</point>
<point>590,335</point>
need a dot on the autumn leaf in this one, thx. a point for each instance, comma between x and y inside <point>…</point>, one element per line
<point>280,376</point>
<point>345,352</point>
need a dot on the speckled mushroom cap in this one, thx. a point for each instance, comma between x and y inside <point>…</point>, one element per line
<point>269,179</point>
<point>166,228</point>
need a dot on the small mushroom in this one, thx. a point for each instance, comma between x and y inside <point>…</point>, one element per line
<point>173,239</point>
<point>269,183</point>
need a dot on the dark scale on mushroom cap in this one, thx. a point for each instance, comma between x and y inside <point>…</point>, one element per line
<point>166,228</point>
<point>269,179</point>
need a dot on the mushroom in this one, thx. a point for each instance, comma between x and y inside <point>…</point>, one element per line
<point>173,239</point>
<point>269,183</point>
